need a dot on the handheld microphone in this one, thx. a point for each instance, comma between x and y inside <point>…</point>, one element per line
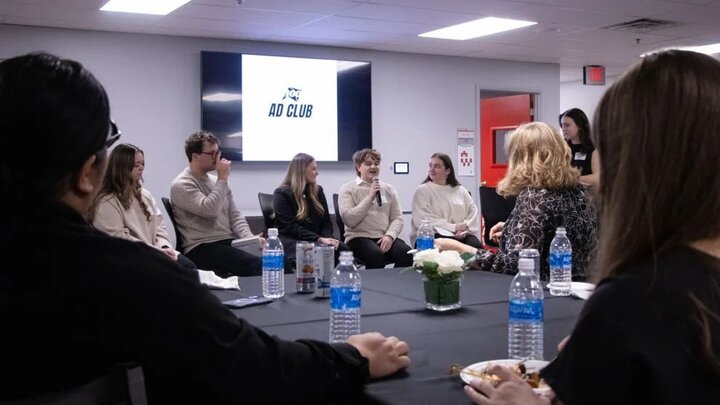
<point>378,197</point>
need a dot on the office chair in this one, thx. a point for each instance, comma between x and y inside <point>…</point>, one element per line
<point>493,209</point>
<point>124,384</point>
<point>178,237</point>
<point>268,210</point>
<point>338,219</point>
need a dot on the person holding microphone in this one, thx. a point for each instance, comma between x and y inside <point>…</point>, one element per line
<point>372,215</point>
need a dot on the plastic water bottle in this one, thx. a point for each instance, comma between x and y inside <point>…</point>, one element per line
<point>273,266</point>
<point>525,318</point>
<point>344,299</point>
<point>560,263</point>
<point>425,236</point>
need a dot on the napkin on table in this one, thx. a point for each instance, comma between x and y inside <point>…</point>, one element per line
<point>212,280</point>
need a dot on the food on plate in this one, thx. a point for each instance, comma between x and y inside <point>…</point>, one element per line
<point>532,378</point>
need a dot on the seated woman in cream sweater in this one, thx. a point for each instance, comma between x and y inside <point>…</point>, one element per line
<point>446,203</point>
<point>125,209</point>
<point>372,226</point>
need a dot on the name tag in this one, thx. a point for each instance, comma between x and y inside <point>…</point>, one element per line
<point>580,156</point>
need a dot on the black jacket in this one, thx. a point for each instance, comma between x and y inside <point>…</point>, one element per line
<point>79,301</point>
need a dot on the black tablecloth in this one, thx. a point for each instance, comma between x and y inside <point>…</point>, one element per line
<point>393,304</point>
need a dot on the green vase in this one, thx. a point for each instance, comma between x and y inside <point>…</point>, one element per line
<point>442,295</point>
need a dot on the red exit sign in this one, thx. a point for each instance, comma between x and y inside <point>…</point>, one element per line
<point>594,75</point>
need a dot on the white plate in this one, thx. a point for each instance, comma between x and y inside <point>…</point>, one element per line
<point>576,285</point>
<point>530,366</point>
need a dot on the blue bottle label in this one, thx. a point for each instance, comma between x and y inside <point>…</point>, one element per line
<point>273,262</point>
<point>344,298</point>
<point>526,310</point>
<point>561,259</point>
<point>424,243</point>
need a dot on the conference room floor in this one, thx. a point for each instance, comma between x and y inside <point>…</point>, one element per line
<point>393,304</point>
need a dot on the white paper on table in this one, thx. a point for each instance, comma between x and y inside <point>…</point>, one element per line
<point>212,280</point>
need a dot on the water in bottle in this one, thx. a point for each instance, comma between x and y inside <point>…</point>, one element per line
<point>560,263</point>
<point>425,236</point>
<point>273,266</point>
<point>344,299</point>
<point>525,318</point>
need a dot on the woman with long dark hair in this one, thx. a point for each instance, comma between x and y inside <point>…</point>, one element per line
<point>125,209</point>
<point>446,203</point>
<point>576,130</point>
<point>650,334</point>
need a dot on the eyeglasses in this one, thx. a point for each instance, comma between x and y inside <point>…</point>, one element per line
<point>114,134</point>
<point>213,154</point>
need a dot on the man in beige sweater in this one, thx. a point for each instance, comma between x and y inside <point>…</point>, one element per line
<point>372,215</point>
<point>206,214</point>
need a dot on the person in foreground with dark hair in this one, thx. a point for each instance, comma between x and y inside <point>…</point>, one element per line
<point>650,334</point>
<point>80,300</point>
<point>576,130</point>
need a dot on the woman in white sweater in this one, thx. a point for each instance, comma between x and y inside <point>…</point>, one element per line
<point>125,209</point>
<point>446,203</point>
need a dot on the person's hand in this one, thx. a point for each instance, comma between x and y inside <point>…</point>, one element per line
<point>496,232</point>
<point>329,241</point>
<point>461,227</point>
<point>512,390</point>
<point>374,189</point>
<point>222,167</point>
<point>385,243</point>
<point>170,252</point>
<point>262,241</point>
<point>385,355</point>
<point>452,244</point>
<point>563,343</point>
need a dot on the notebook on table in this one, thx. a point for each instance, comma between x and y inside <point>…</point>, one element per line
<point>251,245</point>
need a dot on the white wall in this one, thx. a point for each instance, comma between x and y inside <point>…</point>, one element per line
<point>574,94</point>
<point>419,101</point>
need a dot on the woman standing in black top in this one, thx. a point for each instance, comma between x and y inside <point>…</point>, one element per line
<point>301,209</point>
<point>576,130</point>
<point>650,334</point>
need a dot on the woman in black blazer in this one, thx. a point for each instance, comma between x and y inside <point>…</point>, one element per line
<point>301,210</point>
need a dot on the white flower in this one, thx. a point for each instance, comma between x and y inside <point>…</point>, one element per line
<point>428,255</point>
<point>449,261</point>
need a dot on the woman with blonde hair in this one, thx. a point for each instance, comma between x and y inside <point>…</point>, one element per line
<point>301,210</point>
<point>549,196</point>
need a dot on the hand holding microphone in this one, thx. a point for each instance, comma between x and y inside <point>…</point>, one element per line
<point>378,197</point>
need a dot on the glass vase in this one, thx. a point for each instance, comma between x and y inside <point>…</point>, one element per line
<point>442,295</point>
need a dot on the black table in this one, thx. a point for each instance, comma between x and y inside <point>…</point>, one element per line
<point>393,304</point>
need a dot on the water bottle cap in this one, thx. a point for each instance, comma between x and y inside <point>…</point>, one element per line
<point>560,230</point>
<point>346,254</point>
<point>272,232</point>
<point>526,264</point>
<point>529,253</point>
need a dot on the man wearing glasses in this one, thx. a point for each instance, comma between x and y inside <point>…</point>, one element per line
<point>205,212</point>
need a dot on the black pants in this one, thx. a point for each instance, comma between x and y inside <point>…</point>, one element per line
<point>224,259</point>
<point>368,251</point>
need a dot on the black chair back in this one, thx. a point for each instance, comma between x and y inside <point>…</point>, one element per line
<point>178,237</point>
<point>338,219</point>
<point>124,384</point>
<point>268,210</point>
<point>493,208</point>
